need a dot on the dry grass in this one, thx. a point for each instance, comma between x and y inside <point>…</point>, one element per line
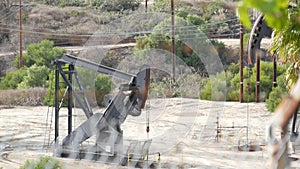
<point>23,97</point>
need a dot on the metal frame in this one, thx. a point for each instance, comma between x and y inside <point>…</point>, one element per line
<point>129,101</point>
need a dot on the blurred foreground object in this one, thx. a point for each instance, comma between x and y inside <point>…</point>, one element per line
<point>286,110</point>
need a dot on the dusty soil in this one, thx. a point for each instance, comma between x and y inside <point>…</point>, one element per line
<point>182,130</point>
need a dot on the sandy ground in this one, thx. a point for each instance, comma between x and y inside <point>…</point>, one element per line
<point>182,130</point>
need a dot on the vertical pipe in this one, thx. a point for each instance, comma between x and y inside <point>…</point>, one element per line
<point>257,76</point>
<point>294,123</point>
<point>70,99</point>
<point>56,132</point>
<point>146,5</point>
<point>173,40</point>
<point>20,24</point>
<point>274,72</point>
<point>241,63</point>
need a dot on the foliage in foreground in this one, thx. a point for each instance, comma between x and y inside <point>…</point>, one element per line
<point>283,17</point>
<point>44,162</point>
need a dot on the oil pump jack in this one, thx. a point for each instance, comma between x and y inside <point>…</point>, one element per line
<point>106,126</point>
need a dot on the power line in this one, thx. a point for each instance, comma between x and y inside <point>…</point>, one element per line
<point>11,13</point>
<point>177,27</point>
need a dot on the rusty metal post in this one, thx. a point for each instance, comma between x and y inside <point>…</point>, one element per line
<point>274,72</point>
<point>20,24</point>
<point>70,98</point>
<point>173,40</point>
<point>257,76</point>
<point>146,5</point>
<point>241,64</point>
<point>56,131</point>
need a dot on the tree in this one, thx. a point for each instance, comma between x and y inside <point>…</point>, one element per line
<point>103,85</point>
<point>41,54</point>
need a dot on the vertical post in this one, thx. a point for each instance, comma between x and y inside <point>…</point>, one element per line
<point>257,76</point>
<point>274,72</point>
<point>294,123</point>
<point>146,5</point>
<point>173,40</point>
<point>56,132</point>
<point>241,63</point>
<point>70,99</point>
<point>20,24</point>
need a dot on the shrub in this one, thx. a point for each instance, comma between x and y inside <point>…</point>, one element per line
<point>215,88</point>
<point>214,85</point>
<point>160,38</point>
<point>117,5</point>
<point>277,94</point>
<point>36,77</point>
<point>186,85</point>
<point>42,163</point>
<point>275,98</point>
<point>266,75</point>
<point>12,79</point>
<point>103,85</point>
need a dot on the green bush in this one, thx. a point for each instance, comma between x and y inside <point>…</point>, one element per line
<point>275,98</point>
<point>103,85</point>
<point>44,162</point>
<point>36,77</point>
<point>12,79</point>
<point>266,83</point>
<point>160,38</point>
<point>186,85</point>
<point>214,87</point>
<point>277,94</point>
<point>117,5</point>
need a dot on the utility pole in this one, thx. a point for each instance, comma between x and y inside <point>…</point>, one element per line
<point>257,76</point>
<point>20,22</point>
<point>241,63</point>
<point>146,5</point>
<point>274,71</point>
<point>173,40</point>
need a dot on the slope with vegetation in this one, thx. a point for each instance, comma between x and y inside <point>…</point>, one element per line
<point>71,22</point>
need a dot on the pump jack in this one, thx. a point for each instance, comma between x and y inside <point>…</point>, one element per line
<point>106,127</point>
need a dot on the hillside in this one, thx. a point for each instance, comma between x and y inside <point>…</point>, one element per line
<point>72,25</point>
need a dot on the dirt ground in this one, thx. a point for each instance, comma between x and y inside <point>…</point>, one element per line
<point>182,130</point>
